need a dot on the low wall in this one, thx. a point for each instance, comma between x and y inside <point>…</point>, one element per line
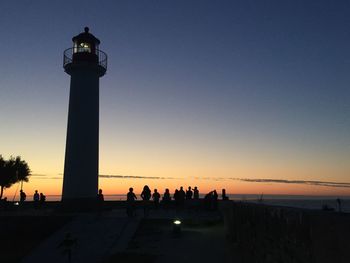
<point>273,234</point>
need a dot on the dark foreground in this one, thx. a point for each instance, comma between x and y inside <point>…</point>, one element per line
<point>236,232</point>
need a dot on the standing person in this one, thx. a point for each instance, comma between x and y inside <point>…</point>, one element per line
<point>224,196</point>
<point>146,196</point>
<point>130,202</point>
<point>196,202</point>
<point>177,199</point>
<point>208,200</point>
<point>100,197</point>
<point>156,197</point>
<point>100,200</point>
<point>166,198</point>
<point>22,196</point>
<point>42,199</point>
<point>146,193</point>
<point>36,198</point>
<point>189,193</point>
<point>182,196</point>
<point>195,193</point>
<point>215,200</point>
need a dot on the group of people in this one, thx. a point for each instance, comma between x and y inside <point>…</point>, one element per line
<point>180,196</point>
<point>37,198</point>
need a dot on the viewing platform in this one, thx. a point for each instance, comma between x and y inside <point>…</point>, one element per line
<point>70,56</point>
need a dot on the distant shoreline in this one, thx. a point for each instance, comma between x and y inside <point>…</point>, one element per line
<point>299,202</point>
<point>235,197</point>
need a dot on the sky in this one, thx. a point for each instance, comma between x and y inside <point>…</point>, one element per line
<point>251,96</point>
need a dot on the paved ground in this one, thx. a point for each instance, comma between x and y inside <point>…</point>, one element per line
<point>196,243</point>
<point>95,235</point>
<point>99,237</point>
<point>202,239</point>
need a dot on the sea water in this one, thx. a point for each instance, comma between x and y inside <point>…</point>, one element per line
<point>298,201</point>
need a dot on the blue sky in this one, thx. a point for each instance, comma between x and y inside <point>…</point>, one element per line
<point>249,81</point>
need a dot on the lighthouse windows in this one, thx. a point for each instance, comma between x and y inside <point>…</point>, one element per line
<point>82,47</point>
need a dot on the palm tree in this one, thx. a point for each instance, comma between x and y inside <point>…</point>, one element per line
<point>12,171</point>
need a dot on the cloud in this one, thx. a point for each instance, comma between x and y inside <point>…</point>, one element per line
<point>110,176</point>
<point>279,181</point>
<point>250,180</point>
<point>44,176</point>
<point>117,176</point>
<point>283,181</point>
<point>38,175</point>
<point>212,178</point>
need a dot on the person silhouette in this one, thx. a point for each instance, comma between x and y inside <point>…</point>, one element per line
<point>22,196</point>
<point>224,196</point>
<point>146,193</point>
<point>156,197</point>
<point>42,198</point>
<point>196,202</point>
<point>100,197</point>
<point>166,198</point>
<point>177,199</point>
<point>189,193</point>
<point>36,198</point>
<point>146,196</point>
<point>195,193</point>
<point>215,200</point>
<point>208,200</point>
<point>130,202</point>
<point>182,196</point>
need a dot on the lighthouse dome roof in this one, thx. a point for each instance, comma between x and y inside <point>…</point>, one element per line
<point>86,37</point>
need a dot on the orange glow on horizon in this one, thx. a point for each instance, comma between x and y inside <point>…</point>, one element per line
<point>121,186</point>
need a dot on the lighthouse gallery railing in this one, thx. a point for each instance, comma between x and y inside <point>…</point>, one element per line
<point>68,57</point>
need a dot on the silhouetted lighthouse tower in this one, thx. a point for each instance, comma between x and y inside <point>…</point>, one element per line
<point>85,63</point>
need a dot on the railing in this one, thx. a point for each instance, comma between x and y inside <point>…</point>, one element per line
<point>69,52</point>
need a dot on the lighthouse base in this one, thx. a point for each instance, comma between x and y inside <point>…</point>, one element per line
<point>80,205</point>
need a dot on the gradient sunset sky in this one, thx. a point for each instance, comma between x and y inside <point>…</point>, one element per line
<point>251,96</point>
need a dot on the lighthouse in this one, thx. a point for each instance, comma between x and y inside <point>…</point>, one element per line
<point>85,64</point>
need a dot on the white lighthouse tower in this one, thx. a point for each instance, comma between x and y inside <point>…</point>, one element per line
<point>85,63</point>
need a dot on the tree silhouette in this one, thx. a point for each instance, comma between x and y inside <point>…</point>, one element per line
<point>4,180</point>
<point>12,171</point>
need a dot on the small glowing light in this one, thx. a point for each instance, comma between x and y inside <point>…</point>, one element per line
<point>177,227</point>
<point>177,222</point>
<point>84,45</point>
<point>16,203</point>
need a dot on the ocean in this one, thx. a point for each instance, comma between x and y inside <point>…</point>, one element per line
<point>307,202</point>
<point>298,201</point>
